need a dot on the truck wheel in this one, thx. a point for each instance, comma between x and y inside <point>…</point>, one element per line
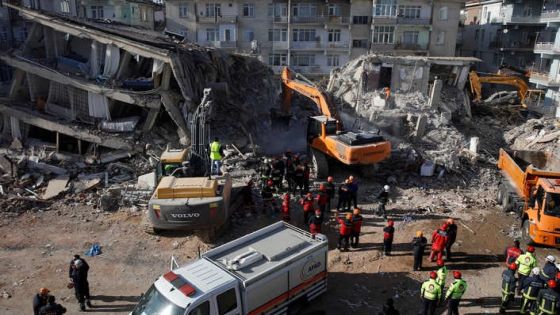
<point>525,236</point>
<point>320,164</point>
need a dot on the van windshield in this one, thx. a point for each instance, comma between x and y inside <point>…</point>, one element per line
<point>552,205</point>
<point>154,303</point>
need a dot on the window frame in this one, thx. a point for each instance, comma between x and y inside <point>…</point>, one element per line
<point>250,7</point>
<point>384,34</point>
<point>183,10</point>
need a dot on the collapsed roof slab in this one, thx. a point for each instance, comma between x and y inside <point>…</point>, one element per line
<point>73,130</point>
<point>140,99</point>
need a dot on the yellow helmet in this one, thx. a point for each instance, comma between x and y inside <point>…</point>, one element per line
<point>419,234</point>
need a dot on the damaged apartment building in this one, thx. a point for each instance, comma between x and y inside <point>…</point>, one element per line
<point>90,87</point>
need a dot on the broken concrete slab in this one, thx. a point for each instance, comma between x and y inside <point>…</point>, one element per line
<point>56,187</point>
<point>46,168</point>
<point>86,182</point>
<point>109,157</point>
<point>147,181</point>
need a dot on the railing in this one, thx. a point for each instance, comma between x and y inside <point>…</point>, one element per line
<point>280,45</point>
<point>344,20</point>
<point>218,19</point>
<point>550,47</point>
<point>308,19</point>
<point>306,45</point>
<point>382,46</point>
<point>411,46</point>
<point>413,21</point>
<point>280,19</point>
<point>550,15</point>
<point>544,77</point>
<point>336,45</point>
<point>521,19</point>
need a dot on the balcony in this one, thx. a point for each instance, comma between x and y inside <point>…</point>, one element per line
<point>517,19</point>
<point>280,45</point>
<point>547,48</point>
<point>314,45</point>
<point>411,46</point>
<point>545,79</point>
<point>280,19</point>
<point>309,69</point>
<point>336,45</point>
<point>382,47</point>
<point>550,16</point>
<point>340,20</point>
<point>413,21</point>
<point>308,19</point>
<point>219,44</point>
<point>218,19</point>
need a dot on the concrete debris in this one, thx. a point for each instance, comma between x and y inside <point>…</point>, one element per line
<point>56,187</point>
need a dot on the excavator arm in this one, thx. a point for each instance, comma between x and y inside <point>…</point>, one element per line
<point>477,81</point>
<point>306,88</point>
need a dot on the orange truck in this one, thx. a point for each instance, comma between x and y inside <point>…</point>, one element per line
<point>531,188</point>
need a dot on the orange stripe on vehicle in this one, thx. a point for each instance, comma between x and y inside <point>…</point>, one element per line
<point>284,296</point>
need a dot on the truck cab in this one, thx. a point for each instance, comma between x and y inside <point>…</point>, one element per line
<point>542,224</point>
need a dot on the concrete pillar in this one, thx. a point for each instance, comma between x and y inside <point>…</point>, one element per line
<point>125,59</point>
<point>94,60</point>
<point>150,120</point>
<point>421,126</point>
<point>17,82</point>
<point>48,39</point>
<point>463,77</point>
<point>435,94</point>
<point>473,147</point>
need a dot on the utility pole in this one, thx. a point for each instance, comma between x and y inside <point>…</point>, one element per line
<point>288,36</point>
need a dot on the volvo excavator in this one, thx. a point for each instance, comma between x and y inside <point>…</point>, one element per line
<point>527,96</point>
<point>326,136</point>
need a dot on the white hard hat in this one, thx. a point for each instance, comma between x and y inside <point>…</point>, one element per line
<point>535,271</point>
<point>386,187</point>
<point>78,263</point>
<point>550,258</point>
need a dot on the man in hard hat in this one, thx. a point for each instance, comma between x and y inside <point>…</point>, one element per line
<point>430,293</point>
<point>315,222</point>
<point>216,155</point>
<point>299,175</point>
<point>52,308</point>
<point>323,199</point>
<point>508,286</point>
<point>451,237</point>
<point>40,299</point>
<point>286,217</point>
<point>418,246</point>
<point>353,189</point>
<point>277,173</point>
<point>383,198</point>
<point>441,274</point>
<point>344,231</point>
<point>267,194</point>
<point>308,206</point>
<point>439,240</point>
<point>81,286</point>
<point>455,293</point>
<point>357,221</point>
<point>549,270</point>
<point>512,252</point>
<point>548,300</point>
<point>525,263</point>
<point>265,169</point>
<point>530,289</point>
<point>388,235</point>
<point>343,197</point>
<point>330,189</point>
<point>290,169</point>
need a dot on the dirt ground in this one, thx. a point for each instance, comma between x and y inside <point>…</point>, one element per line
<point>36,247</point>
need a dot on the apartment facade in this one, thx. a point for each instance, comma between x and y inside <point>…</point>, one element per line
<point>315,36</point>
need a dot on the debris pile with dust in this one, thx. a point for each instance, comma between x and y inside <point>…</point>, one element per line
<point>537,135</point>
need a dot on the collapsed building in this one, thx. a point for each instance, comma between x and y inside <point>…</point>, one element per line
<point>87,87</point>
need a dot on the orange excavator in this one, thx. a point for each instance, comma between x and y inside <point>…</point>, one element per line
<point>525,94</point>
<point>326,136</point>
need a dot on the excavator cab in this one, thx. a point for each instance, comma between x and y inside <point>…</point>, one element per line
<point>318,126</point>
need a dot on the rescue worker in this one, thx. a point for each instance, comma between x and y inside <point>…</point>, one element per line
<point>216,155</point>
<point>322,199</point>
<point>290,169</point>
<point>299,175</point>
<point>387,92</point>
<point>343,197</point>
<point>308,206</point>
<point>455,293</point>
<point>525,263</point>
<point>508,286</point>
<point>330,189</point>
<point>281,167</point>
<point>549,269</point>
<point>267,193</point>
<point>389,308</point>
<point>439,240</point>
<point>388,233</point>
<point>357,221</point>
<point>530,289</point>
<point>306,176</point>
<point>247,194</point>
<point>512,252</point>
<point>451,237</point>
<point>315,222</point>
<point>548,299</point>
<point>383,198</point>
<point>418,245</point>
<point>52,308</point>
<point>264,170</point>
<point>344,231</point>
<point>276,175</point>
<point>353,190</point>
<point>430,293</point>
<point>286,208</point>
<point>441,274</point>
<point>40,299</point>
<point>81,285</point>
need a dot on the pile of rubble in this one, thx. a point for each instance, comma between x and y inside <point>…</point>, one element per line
<point>536,134</point>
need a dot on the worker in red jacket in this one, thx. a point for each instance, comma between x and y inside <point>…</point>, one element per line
<point>307,203</point>
<point>323,199</point>
<point>512,252</point>
<point>439,240</point>
<point>388,233</point>
<point>357,220</point>
<point>286,208</point>
<point>344,231</point>
<point>315,222</point>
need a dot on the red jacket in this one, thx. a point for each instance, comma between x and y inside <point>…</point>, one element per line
<point>345,228</point>
<point>286,208</point>
<point>357,223</point>
<point>439,239</point>
<point>512,253</point>
<point>307,204</point>
<point>322,199</point>
<point>388,233</point>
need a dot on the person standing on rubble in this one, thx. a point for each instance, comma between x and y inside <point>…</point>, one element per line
<point>306,176</point>
<point>344,231</point>
<point>216,155</point>
<point>79,271</point>
<point>353,190</point>
<point>343,197</point>
<point>290,169</point>
<point>286,208</point>
<point>40,299</point>
<point>264,170</point>
<point>549,269</point>
<point>383,198</point>
<point>530,289</point>
<point>277,174</point>
<point>525,264</point>
<point>512,252</point>
<point>315,222</point>
<point>323,199</point>
<point>267,194</point>
<point>307,204</point>
<point>330,191</point>
<point>299,176</point>
<point>418,246</point>
<point>430,293</point>
<point>357,221</point>
<point>439,240</point>
<point>388,234</point>
<point>508,287</point>
<point>451,237</point>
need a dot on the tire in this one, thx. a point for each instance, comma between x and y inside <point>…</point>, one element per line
<point>525,236</point>
<point>500,194</point>
<point>320,164</point>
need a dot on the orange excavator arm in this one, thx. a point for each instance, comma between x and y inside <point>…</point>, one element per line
<point>306,88</point>
<point>477,81</point>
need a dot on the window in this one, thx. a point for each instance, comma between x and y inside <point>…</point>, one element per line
<point>248,10</point>
<point>97,12</point>
<point>409,11</point>
<point>385,8</point>
<point>144,14</point>
<point>65,6</point>
<point>359,43</point>
<point>278,60</point>
<point>383,34</point>
<point>333,60</point>
<point>277,35</point>
<point>443,14</point>
<point>153,302</point>
<point>360,19</point>
<point>333,10</point>
<point>213,9</point>
<point>183,10</point>
<point>334,35</point>
<point>227,301</point>
<point>304,35</point>
<point>202,309</point>
<point>440,40</point>
<point>212,34</point>
<point>248,35</point>
<point>410,37</point>
<point>278,9</point>
<point>303,60</point>
<point>304,9</point>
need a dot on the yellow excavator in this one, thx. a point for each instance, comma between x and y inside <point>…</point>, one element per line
<point>527,96</point>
